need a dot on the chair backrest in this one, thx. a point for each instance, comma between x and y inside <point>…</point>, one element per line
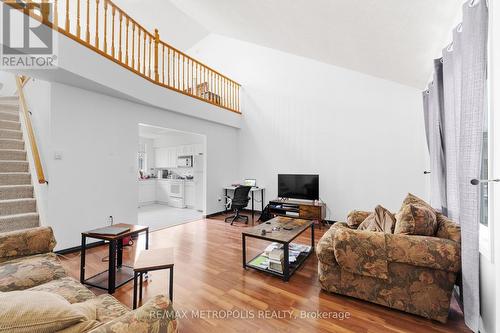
<point>240,196</point>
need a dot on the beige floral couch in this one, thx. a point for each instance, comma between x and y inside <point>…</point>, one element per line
<point>415,274</point>
<point>28,263</point>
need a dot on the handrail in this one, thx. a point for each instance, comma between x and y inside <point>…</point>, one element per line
<point>20,81</point>
<point>106,29</point>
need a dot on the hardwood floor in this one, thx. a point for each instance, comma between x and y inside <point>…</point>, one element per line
<point>208,277</point>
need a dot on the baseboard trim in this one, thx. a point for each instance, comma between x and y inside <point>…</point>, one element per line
<point>79,248</point>
<point>247,211</point>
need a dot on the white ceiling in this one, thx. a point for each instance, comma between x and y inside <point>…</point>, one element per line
<point>391,39</point>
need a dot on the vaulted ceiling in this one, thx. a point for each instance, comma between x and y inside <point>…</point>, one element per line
<point>391,39</point>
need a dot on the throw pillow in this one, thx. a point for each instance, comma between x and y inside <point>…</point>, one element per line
<point>413,199</point>
<point>39,311</point>
<point>356,217</point>
<point>381,220</point>
<point>415,219</point>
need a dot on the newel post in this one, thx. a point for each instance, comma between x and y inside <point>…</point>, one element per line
<point>157,42</point>
<point>45,11</point>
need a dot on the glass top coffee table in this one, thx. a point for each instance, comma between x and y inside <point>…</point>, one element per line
<point>282,231</point>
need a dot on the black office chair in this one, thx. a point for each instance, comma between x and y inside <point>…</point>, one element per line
<point>238,202</point>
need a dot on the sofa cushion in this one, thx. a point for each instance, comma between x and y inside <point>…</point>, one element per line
<point>361,252</point>
<point>108,308</point>
<point>27,272</point>
<point>413,199</point>
<point>67,287</point>
<point>39,311</point>
<point>428,252</point>
<point>447,228</point>
<point>381,220</point>
<point>26,242</point>
<point>415,219</point>
<point>356,217</point>
<point>157,315</point>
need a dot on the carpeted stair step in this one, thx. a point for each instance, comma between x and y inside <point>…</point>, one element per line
<point>9,99</point>
<point>9,108</point>
<point>15,178</point>
<point>14,166</point>
<point>11,116</point>
<point>11,144</point>
<point>17,206</point>
<point>12,155</point>
<point>9,124</point>
<point>16,192</point>
<point>19,221</point>
<point>11,134</point>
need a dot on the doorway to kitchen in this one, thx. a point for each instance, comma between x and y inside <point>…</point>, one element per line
<point>171,176</point>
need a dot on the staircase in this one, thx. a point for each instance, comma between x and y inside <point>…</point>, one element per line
<point>17,202</point>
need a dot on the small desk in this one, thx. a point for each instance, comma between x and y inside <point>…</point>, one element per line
<point>153,260</point>
<point>252,191</point>
<point>117,274</point>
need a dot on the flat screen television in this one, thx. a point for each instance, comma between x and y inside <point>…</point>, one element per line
<point>304,187</point>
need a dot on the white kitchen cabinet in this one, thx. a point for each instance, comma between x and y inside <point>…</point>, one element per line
<point>161,158</point>
<point>147,192</point>
<point>162,191</point>
<point>197,149</point>
<point>189,194</point>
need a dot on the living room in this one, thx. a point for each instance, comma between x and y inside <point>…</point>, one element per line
<point>340,96</point>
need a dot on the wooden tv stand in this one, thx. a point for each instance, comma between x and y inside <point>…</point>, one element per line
<point>298,209</point>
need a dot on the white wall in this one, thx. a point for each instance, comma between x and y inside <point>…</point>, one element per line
<point>363,135</point>
<point>97,136</point>
<point>7,84</point>
<point>178,139</point>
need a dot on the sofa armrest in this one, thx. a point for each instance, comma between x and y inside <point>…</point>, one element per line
<point>424,251</point>
<point>27,242</point>
<point>361,252</point>
<point>157,315</point>
<point>324,248</point>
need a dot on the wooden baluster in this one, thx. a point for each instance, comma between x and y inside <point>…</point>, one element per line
<point>192,77</point>
<point>87,37</point>
<point>97,23</point>
<point>224,83</point>
<point>113,10</point>
<point>78,26</point>
<point>127,23</point>
<point>238,98</point>
<point>133,44</point>
<point>105,26</point>
<point>67,26</point>
<point>157,43</point>
<point>138,49</point>
<point>232,95</point>
<point>150,55</point>
<point>178,70</point>
<point>183,72</point>
<point>144,54</point>
<point>119,36</point>
<point>56,14</point>
<point>168,67</point>
<point>163,61</point>
<point>45,11</point>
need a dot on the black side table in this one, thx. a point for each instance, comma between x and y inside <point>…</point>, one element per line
<point>153,260</point>
<point>117,274</point>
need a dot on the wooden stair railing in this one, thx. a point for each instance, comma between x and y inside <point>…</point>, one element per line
<point>20,83</point>
<point>106,29</point>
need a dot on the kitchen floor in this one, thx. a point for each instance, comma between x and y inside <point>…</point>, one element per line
<point>162,216</point>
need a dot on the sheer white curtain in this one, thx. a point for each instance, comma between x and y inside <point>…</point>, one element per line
<point>456,126</point>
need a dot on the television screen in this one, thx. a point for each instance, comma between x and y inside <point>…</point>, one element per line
<point>298,186</point>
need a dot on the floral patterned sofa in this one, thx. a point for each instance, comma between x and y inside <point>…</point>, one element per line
<point>28,263</point>
<point>412,273</point>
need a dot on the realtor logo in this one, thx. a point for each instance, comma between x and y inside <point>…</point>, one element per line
<point>26,42</point>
